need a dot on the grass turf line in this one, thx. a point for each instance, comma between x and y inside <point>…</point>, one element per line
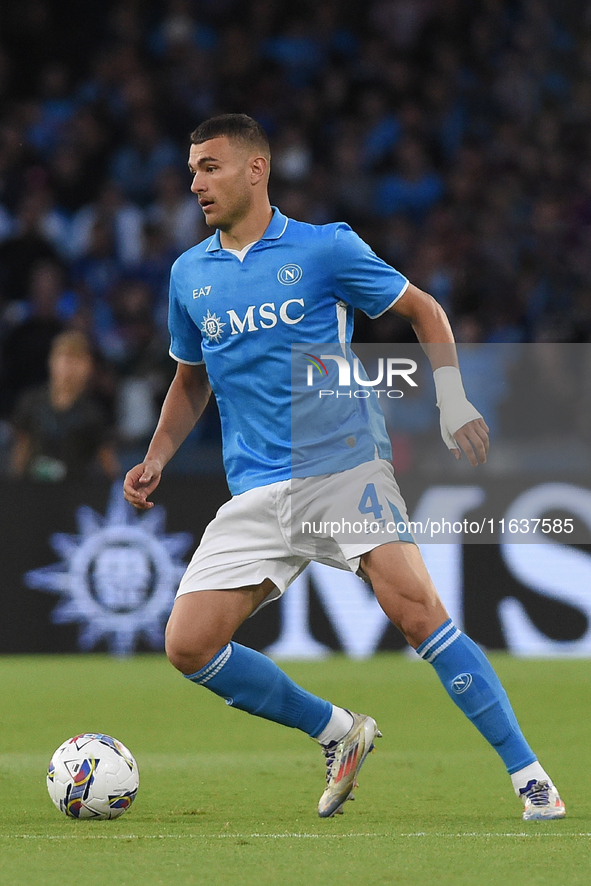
<point>230,799</point>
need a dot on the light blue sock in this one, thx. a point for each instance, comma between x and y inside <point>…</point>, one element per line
<point>252,682</point>
<point>472,684</point>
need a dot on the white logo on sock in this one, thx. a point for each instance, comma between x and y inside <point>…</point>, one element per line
<point>460,683</point>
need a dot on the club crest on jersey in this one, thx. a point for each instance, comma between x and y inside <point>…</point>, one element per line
<point>289,274</point>
<point>212,327</point>
<point>203,290</point>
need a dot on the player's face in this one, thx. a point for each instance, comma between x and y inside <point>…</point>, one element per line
<point>221,180</point>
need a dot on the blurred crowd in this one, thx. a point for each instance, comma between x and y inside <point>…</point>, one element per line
<point>453,135</point>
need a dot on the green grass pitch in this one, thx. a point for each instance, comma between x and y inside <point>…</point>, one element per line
<point>230,799</point>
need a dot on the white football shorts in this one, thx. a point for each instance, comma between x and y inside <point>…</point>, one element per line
<point>274,531</point>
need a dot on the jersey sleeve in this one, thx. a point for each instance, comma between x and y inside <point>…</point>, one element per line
<point>363,280</point>
<point>185,336</point>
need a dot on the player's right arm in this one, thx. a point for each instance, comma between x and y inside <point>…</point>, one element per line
<point>184,404</point>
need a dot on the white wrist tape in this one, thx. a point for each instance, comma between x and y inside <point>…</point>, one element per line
<point>455,410</point>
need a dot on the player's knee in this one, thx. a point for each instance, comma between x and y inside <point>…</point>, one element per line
<point>189,656</point>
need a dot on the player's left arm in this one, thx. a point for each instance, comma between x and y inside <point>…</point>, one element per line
<point>462,427</point>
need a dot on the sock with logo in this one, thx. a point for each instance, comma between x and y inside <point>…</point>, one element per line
<point>250,681</point>
<point>472,684</point>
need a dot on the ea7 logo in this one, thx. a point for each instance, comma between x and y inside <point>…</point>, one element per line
<point>205,290</point>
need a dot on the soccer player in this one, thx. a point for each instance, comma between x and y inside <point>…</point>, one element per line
<point>238,301</point>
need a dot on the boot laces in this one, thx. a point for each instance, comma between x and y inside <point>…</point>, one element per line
<point>329,751</point>
<point>539,795</point>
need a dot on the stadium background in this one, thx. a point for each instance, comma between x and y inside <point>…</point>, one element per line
<point>453,136</point>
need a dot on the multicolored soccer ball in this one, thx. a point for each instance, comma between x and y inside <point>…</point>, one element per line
<point>92,776</point>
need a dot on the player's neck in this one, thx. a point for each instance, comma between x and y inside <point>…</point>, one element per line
<point>249,229</point>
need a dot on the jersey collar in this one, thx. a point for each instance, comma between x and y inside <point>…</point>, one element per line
<point>275,230</point>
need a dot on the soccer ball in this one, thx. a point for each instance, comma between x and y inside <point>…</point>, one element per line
<point>92,776</point>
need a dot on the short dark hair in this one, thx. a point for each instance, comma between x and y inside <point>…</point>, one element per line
<point>237,127</point>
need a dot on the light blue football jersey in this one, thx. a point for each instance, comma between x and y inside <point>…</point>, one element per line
<point>297,286</point>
